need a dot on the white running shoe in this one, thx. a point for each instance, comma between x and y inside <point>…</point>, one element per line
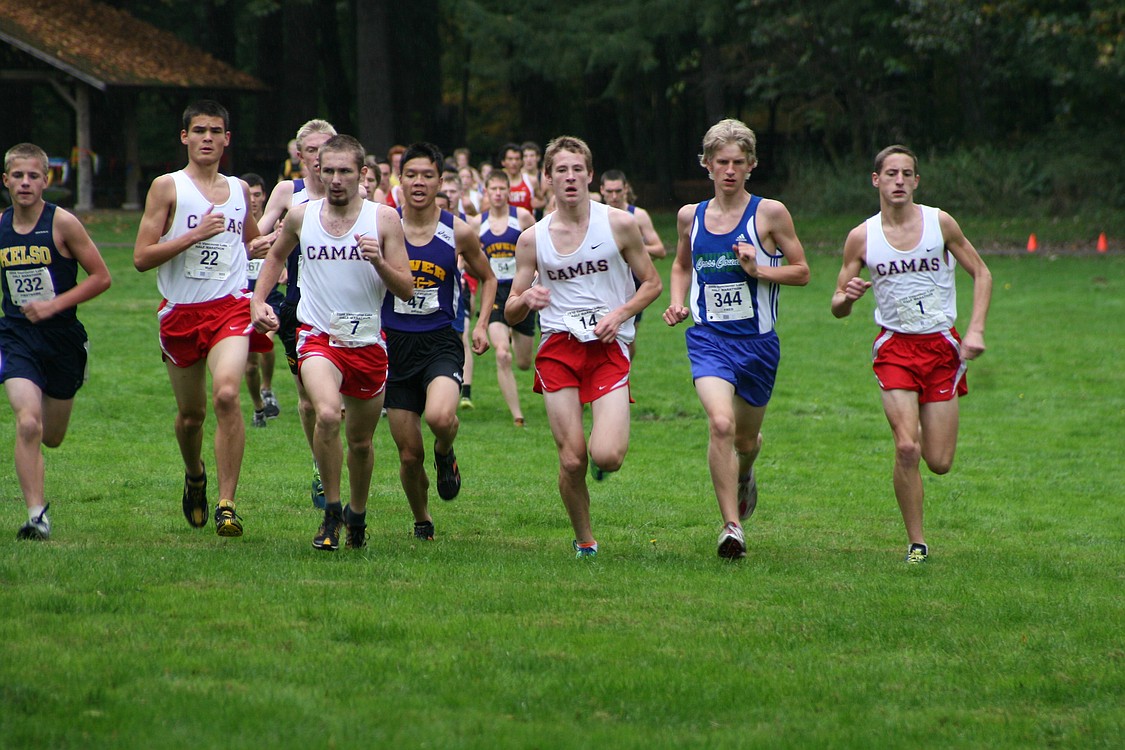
<point>36,529</point>
<point>732,545</point>
<point>747,495</point>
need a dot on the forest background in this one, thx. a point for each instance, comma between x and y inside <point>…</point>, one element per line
<point>1022,97</point>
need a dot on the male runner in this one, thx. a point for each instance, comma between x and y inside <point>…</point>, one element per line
<point>352,253</point>
<point>43,346</point>
<point>584,254</point>
<point>500,228</point>
<point>424,349</point>
<point>195,231</point>
<point>911,252</point>
<point>310,137</point>
<point>733,252</point>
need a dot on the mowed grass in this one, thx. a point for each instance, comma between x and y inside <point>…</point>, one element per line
<point>130,629</point>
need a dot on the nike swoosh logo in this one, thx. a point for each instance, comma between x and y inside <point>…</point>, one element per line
<point>595,247</point>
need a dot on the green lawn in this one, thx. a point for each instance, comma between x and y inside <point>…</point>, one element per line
<point>131,630</point>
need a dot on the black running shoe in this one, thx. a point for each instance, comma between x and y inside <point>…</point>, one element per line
<point>328,536</point>
<point>227,522</point>
<point>448,475</point>
<point>424,530</point>
<point>195,500</point>
<point>356,529</point>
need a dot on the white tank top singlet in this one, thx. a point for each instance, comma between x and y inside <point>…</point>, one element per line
<point>215,267</point>
<point>914,289</point>
<point>341,292</point>
<point>586,284</point>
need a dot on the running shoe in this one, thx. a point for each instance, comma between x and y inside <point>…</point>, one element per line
<point>917,554</point>
<point>519,422</point>
<point>732,545</point>
<point>227,522</point>
<point>271,407</point>
<point>448,475</point>
<point>599,474</point>
<point>195,500</point>
<point>356,529</point>
<point>36,529</point>
<point>318,500</point>
<point>259,419</point>
<point>466,403</point>
<point>328,536</point>
<point>424,530</point>
<point>587,552</point>
<point>747,495</point>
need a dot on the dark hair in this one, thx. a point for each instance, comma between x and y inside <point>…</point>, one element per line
<point>498,175</point>
<point>613,174</point>
<point>253,179</point>
<point>207,108</point>
<point>346,144</point>
<point>506,148</point>
<point>421,150</point>
<point>896,148</point>
<point>531,146</point>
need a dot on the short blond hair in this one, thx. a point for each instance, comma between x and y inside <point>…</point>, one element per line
<point>26,151</point>
<point>726,132</point>
<point>310,127</point>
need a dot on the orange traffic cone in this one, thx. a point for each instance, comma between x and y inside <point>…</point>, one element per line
<point>1103,245</point>
<point>1032,243</point>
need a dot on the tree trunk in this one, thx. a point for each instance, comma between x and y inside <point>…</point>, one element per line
<point>374,109</point>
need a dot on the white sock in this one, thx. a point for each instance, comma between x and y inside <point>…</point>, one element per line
<point>34,512</point>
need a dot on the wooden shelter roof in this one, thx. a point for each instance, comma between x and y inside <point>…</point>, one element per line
<point>104,46</point>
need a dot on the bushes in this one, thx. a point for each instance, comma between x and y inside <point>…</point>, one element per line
<point>1039,176</point>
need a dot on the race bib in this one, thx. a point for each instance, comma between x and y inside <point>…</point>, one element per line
<point>424,302</point>
<point>30,284</point>
<point>350,330</point>
<point>728,302</point>
<point>504,268</point>
<point>922,311</point>
<point>207,260</point>
<point>581,323</point>
<point>254,268</point>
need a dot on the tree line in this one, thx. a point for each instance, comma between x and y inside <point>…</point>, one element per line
<point>642,79</point>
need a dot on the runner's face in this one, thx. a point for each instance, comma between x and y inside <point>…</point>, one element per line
<point>513,161</point>
<point>897,180</point>
<point>613,191</point>
<point>26,179</point>
<point>340,175</point>
<point>205,138</point>
<point>498,193</point>
<point>530,160</point>
<point>369,182</point>
<point>570,178</point>
<point>453,190</point>
<point>420,182</point>
<point>257,199</point>
<point>729,168</point>
<point>310,151</point>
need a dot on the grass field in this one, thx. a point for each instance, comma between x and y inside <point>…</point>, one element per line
<point>129,629</point>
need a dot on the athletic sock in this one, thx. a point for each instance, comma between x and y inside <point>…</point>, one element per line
<point>467,390</point>
<point>34,512</point>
